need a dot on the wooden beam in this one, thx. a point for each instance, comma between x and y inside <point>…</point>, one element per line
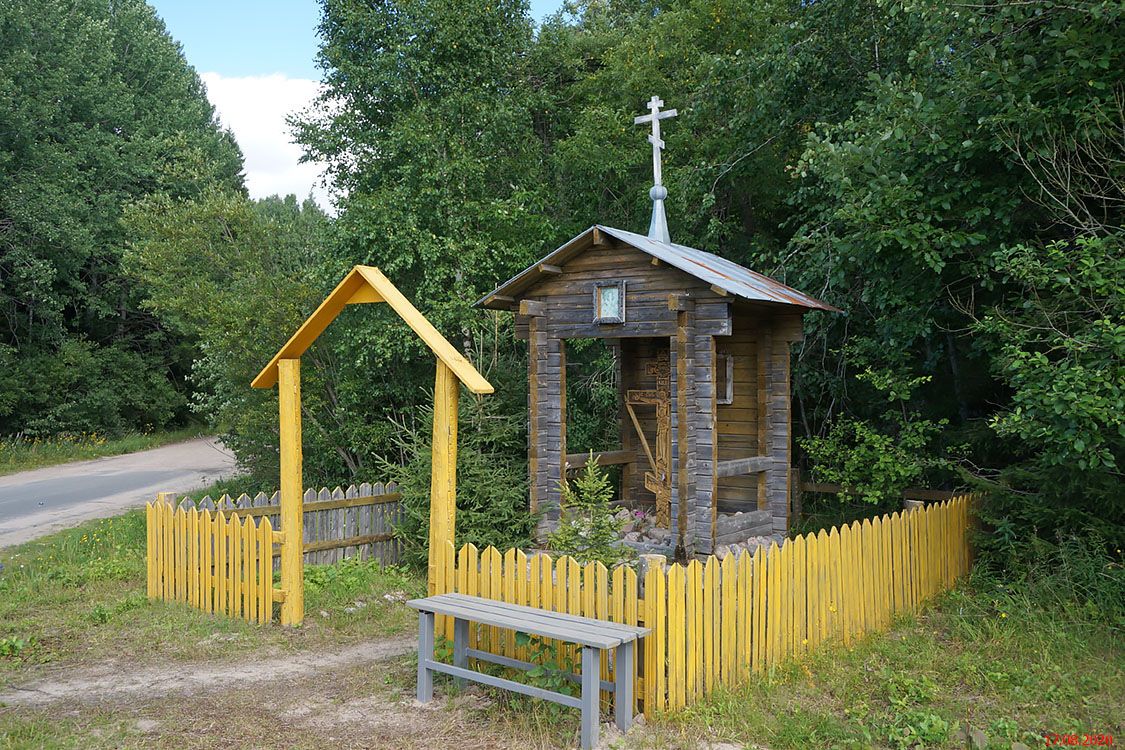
<point>719,290</point>
<point>503,299</point>
<point>548,268</point>
<point>641,435</point>
<point>678,301</point>
<point>443,472</point>
<point>605,458</point>
<point>532,308</point>
<point>352,541</point>
<point>739,466</point>
<point>910,493</point>
<point>364,295</point>
<point>383,290</point>
<point>656,262</point>
<point>351,502</point>
<point>292,491</point>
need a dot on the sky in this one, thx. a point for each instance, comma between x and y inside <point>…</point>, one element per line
<point>257,59</point>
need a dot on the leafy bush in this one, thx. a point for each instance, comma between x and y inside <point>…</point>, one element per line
<point>876,460</point>
<point>588,529</point>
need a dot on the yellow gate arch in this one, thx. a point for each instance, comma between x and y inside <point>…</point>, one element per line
<point>362,285</point>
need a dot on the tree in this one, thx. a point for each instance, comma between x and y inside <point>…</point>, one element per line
<point>97,108</point>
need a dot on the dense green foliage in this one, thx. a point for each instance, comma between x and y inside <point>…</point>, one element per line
<point>97,109</point>
<point>491,471</point>
<point>238,276</point>
<point>949,175</point>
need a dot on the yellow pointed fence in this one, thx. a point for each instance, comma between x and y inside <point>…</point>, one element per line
<point>714,622</point>
<point>217,563</point>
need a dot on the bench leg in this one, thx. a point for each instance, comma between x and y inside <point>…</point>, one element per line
<point>591,685</point>
<point>425,655</point>
<point>623,686</point>
<point>460,646</point>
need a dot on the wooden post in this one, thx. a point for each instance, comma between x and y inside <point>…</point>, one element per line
<point>292,492</point>
<point>443,477</point>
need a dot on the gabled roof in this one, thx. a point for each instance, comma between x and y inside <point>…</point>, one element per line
<point>711,269</point>
<point>365,284</point>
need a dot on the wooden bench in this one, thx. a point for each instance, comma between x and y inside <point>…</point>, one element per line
<point>592,635</point>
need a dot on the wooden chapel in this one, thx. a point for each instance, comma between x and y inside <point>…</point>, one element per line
<point>703,347</point>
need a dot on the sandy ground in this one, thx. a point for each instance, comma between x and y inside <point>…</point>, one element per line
<point>38,502</point>
<point>119,682</point>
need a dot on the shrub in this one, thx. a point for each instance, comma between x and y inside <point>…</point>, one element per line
<point>492,506</point>
<point>588,529</point>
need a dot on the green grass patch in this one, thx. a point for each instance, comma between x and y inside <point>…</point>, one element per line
<point>22,454</point>
<point>234,486</point>
<point>985,656</point>
<point>79,595</point>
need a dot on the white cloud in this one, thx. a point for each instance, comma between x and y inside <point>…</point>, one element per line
<point>255,108</point>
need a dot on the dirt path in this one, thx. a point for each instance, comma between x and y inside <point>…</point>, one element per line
<point>116,683</point>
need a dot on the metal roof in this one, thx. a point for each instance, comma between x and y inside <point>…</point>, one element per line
<point>707,267</point>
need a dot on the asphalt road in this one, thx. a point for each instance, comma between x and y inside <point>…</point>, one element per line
<point>34,503</point>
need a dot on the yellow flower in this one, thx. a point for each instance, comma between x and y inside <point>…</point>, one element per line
<point>1003,615</point>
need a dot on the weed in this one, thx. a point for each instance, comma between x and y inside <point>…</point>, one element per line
<point>11,646</point>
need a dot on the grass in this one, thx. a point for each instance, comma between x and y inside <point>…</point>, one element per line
<point>1011,662</point>
<point>79,596</point>
<point>984,656</point>
<point>22,454</point>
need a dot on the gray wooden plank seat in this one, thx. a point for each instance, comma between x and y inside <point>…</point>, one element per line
<point>592,635</point>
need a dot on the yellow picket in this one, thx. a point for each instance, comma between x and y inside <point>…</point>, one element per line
<point>799,601</point>
<point>448,579</point>
<point>743,614</point>
<point>220,539</point>
<point>265,568</point>
<point>727,602</point>
<point>887,572</point>
<point>693,615</point>
<point>601,612</point>
<point>875,551</point>
<point>521,592</point>
<point>573,600</point>
<point>758,640</point>
<point>773,605</point>
<point>710,624</point>
<point>655,619</point>
<point>676,638</point>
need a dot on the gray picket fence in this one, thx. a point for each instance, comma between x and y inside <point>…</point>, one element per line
<point>357,522</point>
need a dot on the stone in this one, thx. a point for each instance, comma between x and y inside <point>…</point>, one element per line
<point>1019,746</point>
<point>147,725</point>
<point>633,536</point>
<point>978,740</point>
<point>723,551</point>
<point>651,561</point>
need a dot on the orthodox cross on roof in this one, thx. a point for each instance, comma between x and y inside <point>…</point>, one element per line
<point>658,227</point>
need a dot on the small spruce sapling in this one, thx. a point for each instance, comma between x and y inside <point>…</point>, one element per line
<point>588,530</point>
